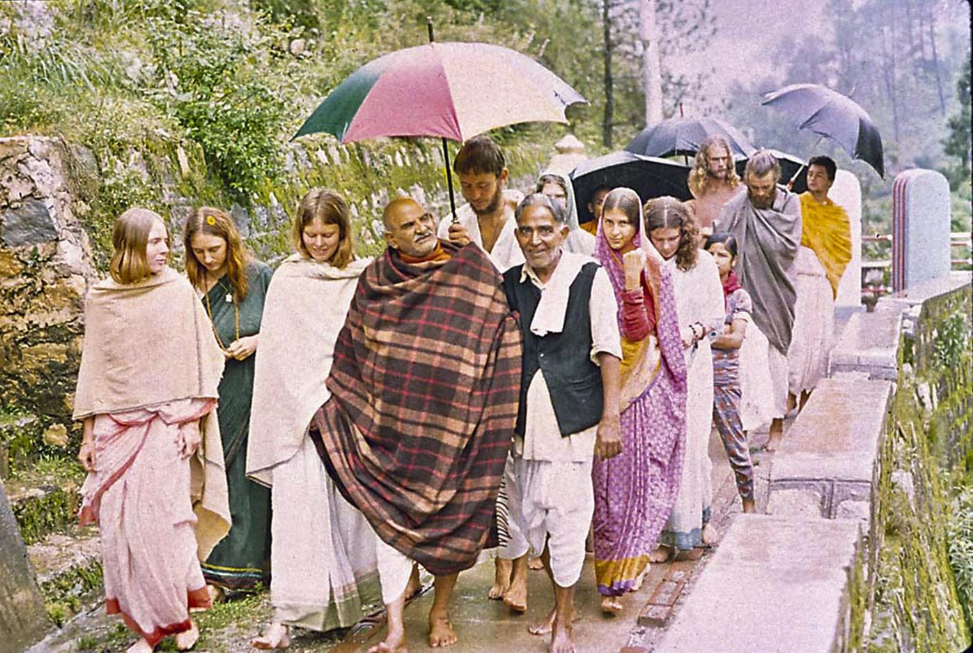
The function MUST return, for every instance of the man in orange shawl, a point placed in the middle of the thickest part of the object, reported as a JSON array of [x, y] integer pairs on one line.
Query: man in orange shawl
[[825, 252]]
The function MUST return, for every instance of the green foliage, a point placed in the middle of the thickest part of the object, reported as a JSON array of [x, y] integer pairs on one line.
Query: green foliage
[[959, 136], [952, 342], [215, 75], [960, 537]]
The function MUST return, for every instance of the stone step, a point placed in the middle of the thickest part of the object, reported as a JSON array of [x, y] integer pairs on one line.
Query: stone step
[[68, 568]]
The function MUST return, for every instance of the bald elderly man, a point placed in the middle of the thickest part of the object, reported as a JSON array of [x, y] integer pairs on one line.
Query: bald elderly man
[[424, 395]]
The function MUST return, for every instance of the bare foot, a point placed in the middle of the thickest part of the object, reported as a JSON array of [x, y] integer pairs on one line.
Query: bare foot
[[749, 506], [776, 434], [562, 639], [393, 643], [516, 596], [502, 570], [661, 554], [688, 554], [415, 584], [216, 594], [611, 605], [276, 636], [543, 627], [640, 579], [709, 536], [141, 646], [441, 631], [535, 564], [188, 638]]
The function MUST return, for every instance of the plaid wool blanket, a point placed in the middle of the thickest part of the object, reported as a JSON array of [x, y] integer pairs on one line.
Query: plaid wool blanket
[[425, 386]]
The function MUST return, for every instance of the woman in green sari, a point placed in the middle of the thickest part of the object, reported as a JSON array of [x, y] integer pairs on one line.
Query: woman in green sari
[[233, 286]]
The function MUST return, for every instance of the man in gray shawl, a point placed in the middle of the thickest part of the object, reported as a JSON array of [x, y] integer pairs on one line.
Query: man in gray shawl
[[766, 222]]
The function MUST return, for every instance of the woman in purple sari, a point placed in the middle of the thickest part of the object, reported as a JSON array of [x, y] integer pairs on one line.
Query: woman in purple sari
[[635, 491]]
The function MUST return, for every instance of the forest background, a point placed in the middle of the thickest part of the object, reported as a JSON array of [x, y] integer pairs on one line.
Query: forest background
[[217, 87]]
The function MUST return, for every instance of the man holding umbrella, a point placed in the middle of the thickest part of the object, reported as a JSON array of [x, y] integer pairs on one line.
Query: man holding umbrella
[[424, 399], [488, 219], [766, 222]]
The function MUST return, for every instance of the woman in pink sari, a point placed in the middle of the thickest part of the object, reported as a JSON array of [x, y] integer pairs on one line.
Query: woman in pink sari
[[147, 390], [635, 491]]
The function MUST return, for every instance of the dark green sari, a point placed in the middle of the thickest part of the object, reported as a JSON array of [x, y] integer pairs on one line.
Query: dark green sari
[[240, 560]]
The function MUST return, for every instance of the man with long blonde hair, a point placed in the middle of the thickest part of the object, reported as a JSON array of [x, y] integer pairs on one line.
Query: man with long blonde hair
[[712, 181]]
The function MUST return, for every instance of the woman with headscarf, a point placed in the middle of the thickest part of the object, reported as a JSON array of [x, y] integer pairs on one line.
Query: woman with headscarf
[[147, 390], [699, 305], [323, 559], [635, 491], [232, 287], [559, 188]]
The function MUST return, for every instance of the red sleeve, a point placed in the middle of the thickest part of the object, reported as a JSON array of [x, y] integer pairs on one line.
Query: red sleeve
[[635, 318]]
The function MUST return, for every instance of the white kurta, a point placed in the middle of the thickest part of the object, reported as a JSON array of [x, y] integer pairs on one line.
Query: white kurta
[[699, 298], [506, 251]]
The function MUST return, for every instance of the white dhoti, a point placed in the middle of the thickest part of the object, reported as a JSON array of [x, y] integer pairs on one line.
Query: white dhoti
[[557, 502], [323, 558], [777, 366], [394, 569], [813, 335]]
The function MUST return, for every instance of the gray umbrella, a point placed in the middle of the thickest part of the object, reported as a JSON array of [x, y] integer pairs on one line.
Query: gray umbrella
[[683, 136], [833, 115]]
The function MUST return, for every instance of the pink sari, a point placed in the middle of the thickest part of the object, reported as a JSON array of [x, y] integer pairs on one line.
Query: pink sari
[[140, 496]]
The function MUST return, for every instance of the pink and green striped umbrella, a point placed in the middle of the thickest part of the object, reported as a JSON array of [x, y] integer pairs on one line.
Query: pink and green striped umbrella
[[450, 90]]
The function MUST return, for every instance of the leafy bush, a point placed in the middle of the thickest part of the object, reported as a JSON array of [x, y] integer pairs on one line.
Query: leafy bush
[[960, 537], [215, 76]]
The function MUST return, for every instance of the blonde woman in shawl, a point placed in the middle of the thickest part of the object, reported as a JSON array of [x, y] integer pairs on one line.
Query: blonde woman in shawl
[[323, 550], [825, 252], [699, 305], [233, 286], [635, 491], [147, 390]]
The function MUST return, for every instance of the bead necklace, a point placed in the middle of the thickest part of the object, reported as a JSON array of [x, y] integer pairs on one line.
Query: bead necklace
[[230, 297]]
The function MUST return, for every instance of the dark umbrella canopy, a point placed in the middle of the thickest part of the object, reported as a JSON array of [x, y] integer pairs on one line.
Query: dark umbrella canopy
[[789, 164], [834, 116], [683, 136], [648, 176]]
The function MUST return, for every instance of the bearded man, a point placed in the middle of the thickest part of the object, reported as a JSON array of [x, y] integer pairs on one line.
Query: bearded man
[[766, 222], [488, 217], [712, 181], [424, 397]]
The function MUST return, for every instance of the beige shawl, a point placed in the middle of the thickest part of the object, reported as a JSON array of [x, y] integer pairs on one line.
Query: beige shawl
[[147, 344], [306, 306]]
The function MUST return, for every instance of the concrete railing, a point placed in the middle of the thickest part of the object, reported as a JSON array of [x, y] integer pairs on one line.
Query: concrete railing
[[803, 576]]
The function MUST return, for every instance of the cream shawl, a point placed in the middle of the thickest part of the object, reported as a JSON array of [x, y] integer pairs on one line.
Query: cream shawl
[[305, 309], [148, 344]]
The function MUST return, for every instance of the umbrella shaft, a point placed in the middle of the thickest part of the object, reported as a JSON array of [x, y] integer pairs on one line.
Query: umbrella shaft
[[449, 182]]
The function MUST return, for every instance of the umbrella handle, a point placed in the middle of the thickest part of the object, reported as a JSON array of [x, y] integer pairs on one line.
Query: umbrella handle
[[814, 147], [449, 182]]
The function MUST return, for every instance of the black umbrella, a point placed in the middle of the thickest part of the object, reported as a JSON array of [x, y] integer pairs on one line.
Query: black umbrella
[[831, 114], [790, 165], [683, 136], [648, 176]]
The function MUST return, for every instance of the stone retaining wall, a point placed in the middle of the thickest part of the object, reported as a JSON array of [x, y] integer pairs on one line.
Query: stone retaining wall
[[853, 554]]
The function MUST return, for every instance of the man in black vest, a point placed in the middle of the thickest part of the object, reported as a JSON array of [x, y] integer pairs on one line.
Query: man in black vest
[[569, 405]]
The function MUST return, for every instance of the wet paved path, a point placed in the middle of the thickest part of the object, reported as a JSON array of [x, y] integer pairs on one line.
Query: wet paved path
[[485, 626]]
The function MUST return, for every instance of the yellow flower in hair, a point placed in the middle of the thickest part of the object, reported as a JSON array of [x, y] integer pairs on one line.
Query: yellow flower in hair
[[210, 220]]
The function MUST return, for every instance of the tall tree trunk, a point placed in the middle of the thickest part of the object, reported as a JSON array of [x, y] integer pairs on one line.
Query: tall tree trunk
[[935, 65], [652, 62], [889, 70], [609, 119]]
